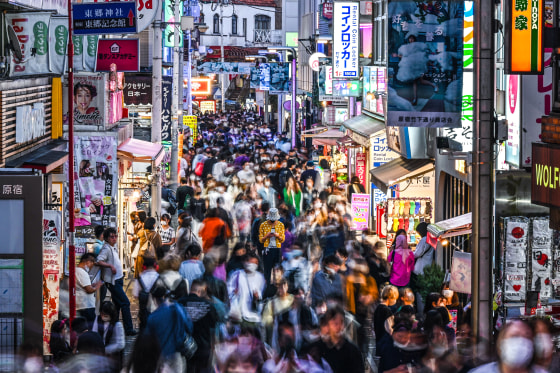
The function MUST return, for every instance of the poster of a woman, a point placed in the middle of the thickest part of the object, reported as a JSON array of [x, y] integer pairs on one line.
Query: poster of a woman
[[88, 101]]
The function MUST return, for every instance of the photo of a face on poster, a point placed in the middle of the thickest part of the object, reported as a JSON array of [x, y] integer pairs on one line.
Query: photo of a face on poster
[[89, 93], [425, 67]]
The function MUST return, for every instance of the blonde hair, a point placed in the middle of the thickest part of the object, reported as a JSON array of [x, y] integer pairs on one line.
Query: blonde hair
[[390, 292], [170, 262]]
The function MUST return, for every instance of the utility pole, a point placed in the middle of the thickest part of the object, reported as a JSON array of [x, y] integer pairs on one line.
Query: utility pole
[[483, 188], [177, 105], [222, 76], [156, 109], [189, 74]]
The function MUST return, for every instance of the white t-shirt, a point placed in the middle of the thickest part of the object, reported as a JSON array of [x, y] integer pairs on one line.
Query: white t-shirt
[[83, 299]]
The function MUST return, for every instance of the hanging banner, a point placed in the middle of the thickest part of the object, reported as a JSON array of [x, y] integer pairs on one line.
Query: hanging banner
[[461, 273], [90, 98], [96, 184], [138, 90], [360, 211], [524, 34], [166, 98], [513, 116], [346, 41], [208, 68], [171, 28], [426, 58], [264, 76], [361, 162], [280, 81], [90, 52], [58, 42], [32, 33], [52, 229]]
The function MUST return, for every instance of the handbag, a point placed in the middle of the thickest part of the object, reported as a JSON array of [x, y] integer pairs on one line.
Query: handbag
[[199, 168], [188, 347]]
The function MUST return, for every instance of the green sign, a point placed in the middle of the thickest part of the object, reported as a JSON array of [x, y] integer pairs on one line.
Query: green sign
[[172, 28]]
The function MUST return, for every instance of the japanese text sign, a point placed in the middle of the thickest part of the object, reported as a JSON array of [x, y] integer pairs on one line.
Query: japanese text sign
[[524, 53], [346, 21], [166, 96], [327, 10], [122, 52], [138, 90], [200, 86], [426, 49], [191, 122], [104, 18], [361, 160], [348, 88], [360, 211], [207, 105]]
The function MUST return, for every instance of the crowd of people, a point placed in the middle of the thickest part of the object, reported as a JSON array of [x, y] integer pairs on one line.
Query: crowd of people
[[264, 274]]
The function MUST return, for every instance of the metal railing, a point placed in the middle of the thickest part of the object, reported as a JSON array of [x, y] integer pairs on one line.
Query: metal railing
[[267, 37]]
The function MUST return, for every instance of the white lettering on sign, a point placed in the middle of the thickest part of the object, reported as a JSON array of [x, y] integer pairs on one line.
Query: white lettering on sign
[[30, 122]]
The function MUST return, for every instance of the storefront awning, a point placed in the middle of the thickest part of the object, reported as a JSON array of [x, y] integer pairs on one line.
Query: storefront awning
[[141, 151], [46, 158], [456, 226], [399, 170], [363, 127], [327, 137]]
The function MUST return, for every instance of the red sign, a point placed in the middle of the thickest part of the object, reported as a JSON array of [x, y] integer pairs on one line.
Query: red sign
[[122, 52], [200, 86], [328, 10], [361, 167]]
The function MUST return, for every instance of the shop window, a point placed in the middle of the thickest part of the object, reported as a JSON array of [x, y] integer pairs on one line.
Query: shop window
[[234, 25], [262, 22]]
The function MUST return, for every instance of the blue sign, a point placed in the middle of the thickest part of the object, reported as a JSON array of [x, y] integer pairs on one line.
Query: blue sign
[[104, 18]]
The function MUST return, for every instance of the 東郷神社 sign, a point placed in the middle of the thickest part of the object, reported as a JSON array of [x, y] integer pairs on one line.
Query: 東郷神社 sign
[[104, 18]]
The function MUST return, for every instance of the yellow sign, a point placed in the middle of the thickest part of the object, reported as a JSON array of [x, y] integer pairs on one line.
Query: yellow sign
[[191, 122], [526, 44], [180, 146]]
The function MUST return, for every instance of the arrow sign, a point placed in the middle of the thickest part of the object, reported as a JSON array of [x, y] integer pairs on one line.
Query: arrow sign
[[130, 18], [104, 18]]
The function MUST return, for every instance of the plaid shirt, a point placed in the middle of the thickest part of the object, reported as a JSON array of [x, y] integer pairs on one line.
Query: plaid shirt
[[166, 235]]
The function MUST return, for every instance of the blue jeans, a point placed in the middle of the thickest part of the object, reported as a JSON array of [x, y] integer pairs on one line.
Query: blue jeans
[[121, 303]]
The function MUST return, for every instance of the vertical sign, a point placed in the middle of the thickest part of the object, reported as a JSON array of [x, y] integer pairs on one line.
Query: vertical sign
[[426, 45], [166, 93], [172, 28], [346, 32], [360, 211], [264, 76], [524, 53], [361, 160], [513, 116], [51, 272]]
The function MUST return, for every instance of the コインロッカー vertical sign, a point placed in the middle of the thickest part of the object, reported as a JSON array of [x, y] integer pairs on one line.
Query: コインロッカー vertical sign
[[104, 18], [524, 52]]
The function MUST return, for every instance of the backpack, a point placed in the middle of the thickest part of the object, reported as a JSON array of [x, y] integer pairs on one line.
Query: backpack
[[187, 203], [144, 294], [147, 250]]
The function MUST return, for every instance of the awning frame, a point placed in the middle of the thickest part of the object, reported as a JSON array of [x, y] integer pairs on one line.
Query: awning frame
[[457, 226], [139, 157], [412, 167]]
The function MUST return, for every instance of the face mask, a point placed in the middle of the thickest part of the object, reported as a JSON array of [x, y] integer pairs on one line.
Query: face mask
[[106, 318], [516, 352], [259, 178], [247, 168], [267, 183], [163, 222], [330, 270], [447, 293], [317, 205], [439, 350], [87, 269], [543, 345], [251, 267]]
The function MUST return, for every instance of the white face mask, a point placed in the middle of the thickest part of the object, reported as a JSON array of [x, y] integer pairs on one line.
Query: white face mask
[[267, 183], [447, 293], [251, 267], [330, 270], [192, 177], [259, 178], [516, 352], [543, 345], [317, 205]]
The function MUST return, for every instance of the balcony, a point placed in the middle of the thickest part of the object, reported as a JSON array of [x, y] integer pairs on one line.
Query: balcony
[[267, 37]]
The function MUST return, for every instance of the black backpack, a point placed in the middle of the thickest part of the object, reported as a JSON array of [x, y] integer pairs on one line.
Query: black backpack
[[144, 294]]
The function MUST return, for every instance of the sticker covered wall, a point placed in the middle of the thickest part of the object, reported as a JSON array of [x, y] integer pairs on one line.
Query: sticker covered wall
[[425, 64]]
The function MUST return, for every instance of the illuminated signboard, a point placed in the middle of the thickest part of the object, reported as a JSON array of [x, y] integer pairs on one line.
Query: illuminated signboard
[[200, 86], [524, 52], [346, 88]]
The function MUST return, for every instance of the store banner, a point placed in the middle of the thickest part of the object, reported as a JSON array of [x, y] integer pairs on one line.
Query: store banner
[[513, 117], [138, 90], [96, 184], [360, 206], [32, 32], [461, 273], [346, 88], [207, 106], [426, 57], [208, 68], [346, 40], [264, 77], [122, 52], [524, 36], [52, 229], [58, 43], [171, 28], [361, 165], [166, 99], [90, 100]]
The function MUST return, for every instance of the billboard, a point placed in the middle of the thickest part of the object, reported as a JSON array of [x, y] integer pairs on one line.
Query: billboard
[[513, 116], [346, 88], [360, 206], [346, 40], [122, 52], [272, 77], [425, 65], [90, 100], [524, 34], [208, 68], [138, 89], [545, 175]]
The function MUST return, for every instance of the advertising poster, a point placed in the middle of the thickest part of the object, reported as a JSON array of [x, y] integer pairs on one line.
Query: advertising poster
[[51, 271], [461, 273], [425, 67], [280, 81], [264, 76], [170, 28], [32, 31], [513, 116], [166, 98], [208, 68], [138, 90], [346, 40], [360, 211], [90, 107], [96, 183]]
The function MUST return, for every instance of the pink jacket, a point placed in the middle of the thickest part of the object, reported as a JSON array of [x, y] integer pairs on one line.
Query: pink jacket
[[402, 269]]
